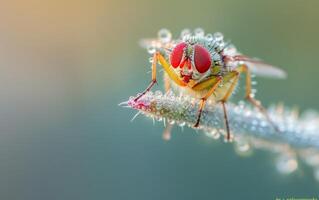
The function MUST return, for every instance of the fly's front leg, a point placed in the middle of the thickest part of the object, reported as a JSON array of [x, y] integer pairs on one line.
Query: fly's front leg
[[153, 81], [170, 74], [158, 57], [214, 83], [251, 99]]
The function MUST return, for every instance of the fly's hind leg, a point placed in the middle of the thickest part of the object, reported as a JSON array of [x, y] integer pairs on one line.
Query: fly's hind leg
[[233, 77], [251, 99]]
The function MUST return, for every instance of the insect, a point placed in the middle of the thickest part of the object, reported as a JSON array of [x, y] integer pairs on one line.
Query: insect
[[205, 67]]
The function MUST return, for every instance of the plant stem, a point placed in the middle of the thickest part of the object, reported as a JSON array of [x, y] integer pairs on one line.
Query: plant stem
[[297, 135]]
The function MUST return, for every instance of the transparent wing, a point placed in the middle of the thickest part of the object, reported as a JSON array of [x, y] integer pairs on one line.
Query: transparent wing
[[260, 68]]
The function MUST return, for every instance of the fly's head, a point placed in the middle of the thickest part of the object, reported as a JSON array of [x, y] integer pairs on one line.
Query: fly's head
[[191, 60]]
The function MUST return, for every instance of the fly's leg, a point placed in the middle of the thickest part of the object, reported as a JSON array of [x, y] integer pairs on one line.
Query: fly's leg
[[235, 76], [214, 81], [167, 84], [157, 57], [251, 99], [153, 81], [170, 74], [226, 120], [169, 71]]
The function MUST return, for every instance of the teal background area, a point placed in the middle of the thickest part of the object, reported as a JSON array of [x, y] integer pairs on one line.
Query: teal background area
[[65, 66]]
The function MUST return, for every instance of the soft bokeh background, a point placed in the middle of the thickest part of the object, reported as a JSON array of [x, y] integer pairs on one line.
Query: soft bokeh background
[[65, 65]]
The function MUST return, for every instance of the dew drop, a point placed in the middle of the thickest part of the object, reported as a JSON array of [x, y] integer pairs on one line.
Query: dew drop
[[158, 93], [151, 50], [231, 138], [263, 123], [241, 104], [218, 36], [213, 134], [254, 91], [170, 121], [158, 118], [199, 32], [286, 164], [182, 124], [164, 35], [185, 32], [131, 98], [209, 37], [158, 107], [242, 146], [247, 113]]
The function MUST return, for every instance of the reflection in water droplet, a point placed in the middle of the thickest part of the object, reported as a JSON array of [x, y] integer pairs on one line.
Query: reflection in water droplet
[[164, 35], [166, 135], [286, 164]]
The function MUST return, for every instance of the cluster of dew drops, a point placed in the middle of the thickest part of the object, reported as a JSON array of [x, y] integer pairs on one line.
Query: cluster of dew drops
[[165, 36]]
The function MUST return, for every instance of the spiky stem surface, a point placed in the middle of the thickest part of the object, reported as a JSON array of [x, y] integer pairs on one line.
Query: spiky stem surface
[[298, 135]]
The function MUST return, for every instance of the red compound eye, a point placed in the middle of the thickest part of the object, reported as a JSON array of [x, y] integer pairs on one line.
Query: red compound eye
[[202, 59], [177, 54]]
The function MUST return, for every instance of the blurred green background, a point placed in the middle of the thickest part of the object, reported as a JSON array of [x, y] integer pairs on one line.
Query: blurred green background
[[65, 65]]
